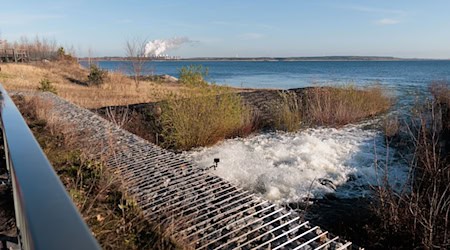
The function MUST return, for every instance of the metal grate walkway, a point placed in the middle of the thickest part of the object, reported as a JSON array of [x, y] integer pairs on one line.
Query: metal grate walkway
[[201, 208]]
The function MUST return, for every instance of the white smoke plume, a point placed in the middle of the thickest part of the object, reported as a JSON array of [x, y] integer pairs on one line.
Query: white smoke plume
[[159, 46]]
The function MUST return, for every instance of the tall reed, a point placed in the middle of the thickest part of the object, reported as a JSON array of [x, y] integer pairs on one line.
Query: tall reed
[[342, 105]]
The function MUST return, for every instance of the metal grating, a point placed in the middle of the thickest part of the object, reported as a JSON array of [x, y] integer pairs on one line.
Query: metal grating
[[205, 210]]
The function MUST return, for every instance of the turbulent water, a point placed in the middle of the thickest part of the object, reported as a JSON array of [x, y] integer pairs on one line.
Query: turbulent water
[[287, 167]]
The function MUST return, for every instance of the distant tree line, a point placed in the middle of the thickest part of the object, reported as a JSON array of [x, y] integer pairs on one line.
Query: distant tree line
[[39, 49]]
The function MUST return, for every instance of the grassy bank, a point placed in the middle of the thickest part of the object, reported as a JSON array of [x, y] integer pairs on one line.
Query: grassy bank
[[71, 83], [113, 217]]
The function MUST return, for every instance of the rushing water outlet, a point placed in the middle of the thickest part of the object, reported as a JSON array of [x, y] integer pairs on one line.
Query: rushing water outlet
[[289, 167]]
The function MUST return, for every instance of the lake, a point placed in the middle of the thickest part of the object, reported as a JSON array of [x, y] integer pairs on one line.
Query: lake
[[285, 74]]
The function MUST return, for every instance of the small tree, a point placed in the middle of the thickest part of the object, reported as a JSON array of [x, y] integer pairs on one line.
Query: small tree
[[46, 86], [135, 51], [96, 75], [61, 53]]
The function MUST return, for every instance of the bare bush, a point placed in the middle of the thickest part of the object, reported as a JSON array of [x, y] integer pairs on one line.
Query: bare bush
[[420, 216], [135, 51], [38, 49]]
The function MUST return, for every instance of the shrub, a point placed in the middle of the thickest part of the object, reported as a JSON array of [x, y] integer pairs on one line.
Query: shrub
[[204, 115], [345, 104], [63, 56], [46, 86], [96, 75], [287, 113], [201, 120], [193, 75], [61, 53]]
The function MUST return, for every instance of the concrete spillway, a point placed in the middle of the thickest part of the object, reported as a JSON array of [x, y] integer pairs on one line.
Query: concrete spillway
[[200, 208]]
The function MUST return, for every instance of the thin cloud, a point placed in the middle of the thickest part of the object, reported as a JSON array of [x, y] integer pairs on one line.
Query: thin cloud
[[387, 21]]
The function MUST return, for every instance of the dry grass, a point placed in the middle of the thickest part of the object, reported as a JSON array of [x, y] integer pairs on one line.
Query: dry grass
[[138, 123], [342, 105], [287, 114], [391, 126], [203, 115], [70, 81], [212, 114], [419, 217], [113, 217]]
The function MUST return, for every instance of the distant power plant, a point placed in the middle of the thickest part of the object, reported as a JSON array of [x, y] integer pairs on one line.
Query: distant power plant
[[156, 48], [163, 57]]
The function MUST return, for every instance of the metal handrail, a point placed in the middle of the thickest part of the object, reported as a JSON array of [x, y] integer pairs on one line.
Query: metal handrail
[[46, 218]]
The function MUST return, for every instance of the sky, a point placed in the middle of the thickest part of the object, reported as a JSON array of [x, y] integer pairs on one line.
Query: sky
[[243, 28]]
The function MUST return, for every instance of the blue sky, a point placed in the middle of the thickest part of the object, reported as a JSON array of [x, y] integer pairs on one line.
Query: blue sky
[[403, 28]]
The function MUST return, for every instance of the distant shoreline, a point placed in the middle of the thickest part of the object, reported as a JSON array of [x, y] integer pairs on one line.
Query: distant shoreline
[[269, 59]]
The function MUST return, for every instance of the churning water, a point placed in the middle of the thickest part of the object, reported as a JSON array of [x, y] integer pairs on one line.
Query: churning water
[[288, 167]]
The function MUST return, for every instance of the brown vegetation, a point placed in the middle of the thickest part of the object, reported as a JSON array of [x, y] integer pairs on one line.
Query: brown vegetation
[[287, 114], [203, 120], [419, 216], [38, 48], [135, 51], [70, 79], [337, 106], [210, 113], [113, 217]]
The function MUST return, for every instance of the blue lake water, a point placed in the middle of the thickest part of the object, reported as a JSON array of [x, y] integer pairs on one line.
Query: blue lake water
[[305, 73]]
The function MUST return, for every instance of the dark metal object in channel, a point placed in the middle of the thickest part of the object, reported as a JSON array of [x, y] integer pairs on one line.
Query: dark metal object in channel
[[46, 218]]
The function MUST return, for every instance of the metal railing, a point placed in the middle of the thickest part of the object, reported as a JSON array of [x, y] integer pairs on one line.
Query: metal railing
[[46, 218]]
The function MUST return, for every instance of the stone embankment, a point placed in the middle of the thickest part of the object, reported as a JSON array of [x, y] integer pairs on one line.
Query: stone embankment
[[197, 206]]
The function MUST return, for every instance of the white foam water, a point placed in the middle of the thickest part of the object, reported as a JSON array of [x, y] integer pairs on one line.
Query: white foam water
[[289, 167]]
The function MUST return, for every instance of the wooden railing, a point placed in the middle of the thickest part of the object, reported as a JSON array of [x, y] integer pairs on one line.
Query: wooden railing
[[13, 55]]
